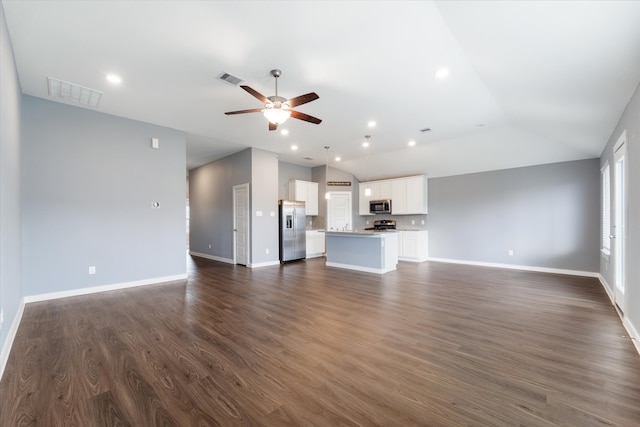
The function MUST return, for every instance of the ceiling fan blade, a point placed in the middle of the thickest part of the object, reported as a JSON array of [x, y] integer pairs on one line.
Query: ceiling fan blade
[[273, 126], [303, 99], [255, 93], [253, 110], [307, 118]]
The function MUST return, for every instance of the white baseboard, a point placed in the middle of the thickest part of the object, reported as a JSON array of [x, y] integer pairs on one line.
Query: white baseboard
[[263, 264], [211, 257], [633, 333], [608, 289], [358, 268], [630, 327], [518, 267], [11, 335], [105, 288]]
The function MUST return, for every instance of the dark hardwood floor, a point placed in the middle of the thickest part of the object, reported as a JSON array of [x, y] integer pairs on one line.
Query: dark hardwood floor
[[431, 344]]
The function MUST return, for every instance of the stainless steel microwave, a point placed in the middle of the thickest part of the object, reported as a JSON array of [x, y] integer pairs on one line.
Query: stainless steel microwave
[[380, 206]]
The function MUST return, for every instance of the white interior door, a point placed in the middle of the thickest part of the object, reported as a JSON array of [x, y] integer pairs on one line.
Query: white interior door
[[339, 213], [241, 224], [619, 231]]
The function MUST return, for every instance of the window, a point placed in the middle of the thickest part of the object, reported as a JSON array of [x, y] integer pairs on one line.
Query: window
[[605, 180]]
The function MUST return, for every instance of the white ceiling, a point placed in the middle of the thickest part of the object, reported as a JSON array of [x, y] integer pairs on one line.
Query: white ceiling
[[547, 79]]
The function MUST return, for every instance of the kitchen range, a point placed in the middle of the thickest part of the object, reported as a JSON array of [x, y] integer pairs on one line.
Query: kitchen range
[[383, 225]]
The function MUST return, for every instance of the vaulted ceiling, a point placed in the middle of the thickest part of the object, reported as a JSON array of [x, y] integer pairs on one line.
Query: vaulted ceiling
[[529, 82]]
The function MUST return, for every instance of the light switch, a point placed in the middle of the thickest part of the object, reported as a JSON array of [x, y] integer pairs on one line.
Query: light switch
[[155, 143]]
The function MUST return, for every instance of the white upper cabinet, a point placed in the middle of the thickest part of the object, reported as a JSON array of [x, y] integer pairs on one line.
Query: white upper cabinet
[[307, 192], [416, 195], [408, 195], [364, 200]]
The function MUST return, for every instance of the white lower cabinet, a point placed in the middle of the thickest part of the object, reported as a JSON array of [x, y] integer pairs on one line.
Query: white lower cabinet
[[315, 243], [413, 245]]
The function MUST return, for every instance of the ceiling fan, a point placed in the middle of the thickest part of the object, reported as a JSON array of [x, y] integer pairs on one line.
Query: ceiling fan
[[278, 109]]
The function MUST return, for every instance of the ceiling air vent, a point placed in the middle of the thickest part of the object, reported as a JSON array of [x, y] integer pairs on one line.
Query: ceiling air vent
[[228, 78], [73, 92]]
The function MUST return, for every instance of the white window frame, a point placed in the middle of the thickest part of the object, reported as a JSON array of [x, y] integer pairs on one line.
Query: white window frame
[[605, 210]]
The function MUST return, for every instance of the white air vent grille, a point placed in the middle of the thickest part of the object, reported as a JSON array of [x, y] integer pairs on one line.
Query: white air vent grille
[[228, 78], [73, 92]]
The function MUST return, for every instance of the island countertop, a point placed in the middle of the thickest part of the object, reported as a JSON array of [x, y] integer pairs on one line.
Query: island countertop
[[361, 232]]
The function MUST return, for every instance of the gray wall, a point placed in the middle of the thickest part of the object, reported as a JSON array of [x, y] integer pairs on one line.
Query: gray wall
[[11, 290], [89, 180], [631, 122], [289, 171], [211, 204], [548, 215], [319, 175], [264, 198]]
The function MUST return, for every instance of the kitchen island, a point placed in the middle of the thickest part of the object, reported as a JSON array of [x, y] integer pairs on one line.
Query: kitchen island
[[370, 251]]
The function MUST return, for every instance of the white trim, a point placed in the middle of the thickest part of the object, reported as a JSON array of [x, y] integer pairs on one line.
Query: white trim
[[263, 264], [11, 335], [105, 288], [212, 257], [631, 329], [606, 287], [519, 267], [633, 333], [622, 139], [359, 268]]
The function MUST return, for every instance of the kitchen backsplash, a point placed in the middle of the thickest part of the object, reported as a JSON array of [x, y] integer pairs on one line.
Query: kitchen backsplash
[[403, 222]]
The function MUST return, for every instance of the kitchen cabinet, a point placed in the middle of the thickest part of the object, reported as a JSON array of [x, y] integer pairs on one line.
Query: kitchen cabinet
[[315, 243], [305, 191], [408, 195], [364, 200], [413, 245]]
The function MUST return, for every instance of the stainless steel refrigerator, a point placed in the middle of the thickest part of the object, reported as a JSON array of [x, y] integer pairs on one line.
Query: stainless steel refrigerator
[[293, 235]]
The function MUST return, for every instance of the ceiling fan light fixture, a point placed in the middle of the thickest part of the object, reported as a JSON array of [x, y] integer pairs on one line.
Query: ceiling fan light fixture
[[277, 114]]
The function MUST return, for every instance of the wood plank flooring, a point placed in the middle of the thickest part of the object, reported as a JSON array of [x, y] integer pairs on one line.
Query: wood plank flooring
[[431, 344]]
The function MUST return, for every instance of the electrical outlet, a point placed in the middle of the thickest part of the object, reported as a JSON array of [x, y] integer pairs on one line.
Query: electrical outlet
[[92, 269], [413, 222], [209, 245], [267, 251], [510, 252], [423, 222]]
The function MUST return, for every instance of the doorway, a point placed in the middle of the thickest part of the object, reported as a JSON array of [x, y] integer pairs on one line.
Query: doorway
[[619, 231], [241, 224], [339, 211]]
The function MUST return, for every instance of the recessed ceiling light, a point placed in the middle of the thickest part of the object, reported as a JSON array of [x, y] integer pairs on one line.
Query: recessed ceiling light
[[294, 147], [365, 144], [114, 78], [284, 132], [338, 159], [442, 73], [412, 143], [371, 124]]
